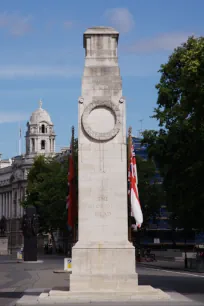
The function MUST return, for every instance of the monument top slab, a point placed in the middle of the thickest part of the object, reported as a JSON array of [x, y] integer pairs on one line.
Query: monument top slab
[[101, 30]]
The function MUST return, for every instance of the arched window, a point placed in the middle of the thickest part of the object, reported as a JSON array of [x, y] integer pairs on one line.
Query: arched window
[[42, 144], [43, 128]]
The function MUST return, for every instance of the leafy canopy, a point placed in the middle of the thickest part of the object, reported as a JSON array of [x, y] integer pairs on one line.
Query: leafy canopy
[[178, 146], [150, 192], [47, 191]]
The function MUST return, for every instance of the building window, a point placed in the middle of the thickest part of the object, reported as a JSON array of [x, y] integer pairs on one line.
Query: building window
[[43, 129], [33, 145], [42, 144]]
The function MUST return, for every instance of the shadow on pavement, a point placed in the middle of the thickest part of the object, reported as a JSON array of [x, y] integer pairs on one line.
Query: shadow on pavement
[[176, 269], [178, 283]]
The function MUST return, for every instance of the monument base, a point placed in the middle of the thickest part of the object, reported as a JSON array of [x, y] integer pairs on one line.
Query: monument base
[[103, 267], [59, 297], [104, 282]]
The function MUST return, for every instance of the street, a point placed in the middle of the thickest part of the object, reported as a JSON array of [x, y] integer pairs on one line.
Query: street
[[17, 279], [185, 283]]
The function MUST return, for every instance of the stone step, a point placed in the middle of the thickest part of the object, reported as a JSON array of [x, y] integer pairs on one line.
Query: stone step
[[60, 297]]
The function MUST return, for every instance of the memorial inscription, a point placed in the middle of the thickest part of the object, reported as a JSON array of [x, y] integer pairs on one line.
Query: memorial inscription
[[103, 207], [102, 214], [102, 198]]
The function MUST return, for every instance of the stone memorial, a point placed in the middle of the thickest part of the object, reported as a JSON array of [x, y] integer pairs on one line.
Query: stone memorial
[[103, 260]]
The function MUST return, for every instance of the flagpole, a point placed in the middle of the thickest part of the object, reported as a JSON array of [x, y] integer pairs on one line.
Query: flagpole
[[19, 141], [129, 144], [73, 216]]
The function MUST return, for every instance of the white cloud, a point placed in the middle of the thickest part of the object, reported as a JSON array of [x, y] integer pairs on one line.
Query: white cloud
[[14, 72], [15, 24], [163, 42], [121, 19], [6, 117]]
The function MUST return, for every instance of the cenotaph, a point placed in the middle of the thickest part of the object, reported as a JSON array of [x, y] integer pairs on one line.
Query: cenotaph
[[103, 260]]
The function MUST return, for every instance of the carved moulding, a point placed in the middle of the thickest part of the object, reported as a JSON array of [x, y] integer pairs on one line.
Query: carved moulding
[[96, 135]]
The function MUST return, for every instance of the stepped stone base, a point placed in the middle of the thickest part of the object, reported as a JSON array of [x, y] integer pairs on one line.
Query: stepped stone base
[[60, 297], [105, 283]]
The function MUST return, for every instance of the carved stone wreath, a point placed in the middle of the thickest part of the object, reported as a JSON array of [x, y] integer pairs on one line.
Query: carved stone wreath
[[107, 135]]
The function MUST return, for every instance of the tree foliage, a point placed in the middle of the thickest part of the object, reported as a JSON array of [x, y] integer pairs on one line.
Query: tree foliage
[[178, 146], [150, 192], [47, 191]]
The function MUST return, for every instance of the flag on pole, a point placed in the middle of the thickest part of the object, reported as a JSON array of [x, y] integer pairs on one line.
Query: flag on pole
[[71, 198], [133, 193]]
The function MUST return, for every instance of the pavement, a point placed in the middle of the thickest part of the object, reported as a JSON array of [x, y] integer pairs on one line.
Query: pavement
[[170, 265], [18, 279]]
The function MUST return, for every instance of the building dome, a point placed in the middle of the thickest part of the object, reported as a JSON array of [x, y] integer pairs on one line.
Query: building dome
[[40, 115]]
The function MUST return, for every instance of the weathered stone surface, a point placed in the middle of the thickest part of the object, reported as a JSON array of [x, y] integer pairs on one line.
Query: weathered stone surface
[[141, 294], [103, 259]]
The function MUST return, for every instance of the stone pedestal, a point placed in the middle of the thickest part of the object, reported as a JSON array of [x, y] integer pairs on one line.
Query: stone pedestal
[[108, 268], [144, 294], [3, 246]]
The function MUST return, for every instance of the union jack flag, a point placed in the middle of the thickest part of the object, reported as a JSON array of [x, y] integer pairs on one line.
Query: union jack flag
[[136, 211]]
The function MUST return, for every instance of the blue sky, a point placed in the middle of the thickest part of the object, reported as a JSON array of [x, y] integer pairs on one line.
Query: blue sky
[[42, 56]]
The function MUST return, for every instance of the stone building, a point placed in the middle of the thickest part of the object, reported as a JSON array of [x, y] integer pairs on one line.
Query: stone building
[[40, 139]]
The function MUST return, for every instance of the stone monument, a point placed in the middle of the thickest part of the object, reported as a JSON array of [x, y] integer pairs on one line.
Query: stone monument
[[103, 260]]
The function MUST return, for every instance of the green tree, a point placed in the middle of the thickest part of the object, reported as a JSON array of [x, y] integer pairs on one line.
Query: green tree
[[178, 146], [47, 190], [150, 192]]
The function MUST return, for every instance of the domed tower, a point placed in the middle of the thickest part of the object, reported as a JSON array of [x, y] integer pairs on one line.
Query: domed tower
[[40, 135]]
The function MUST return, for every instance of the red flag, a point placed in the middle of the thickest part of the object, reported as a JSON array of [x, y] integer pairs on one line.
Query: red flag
[[71, 199]]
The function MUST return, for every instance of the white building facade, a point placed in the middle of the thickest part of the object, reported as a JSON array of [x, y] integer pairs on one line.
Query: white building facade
[[40, 139]]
